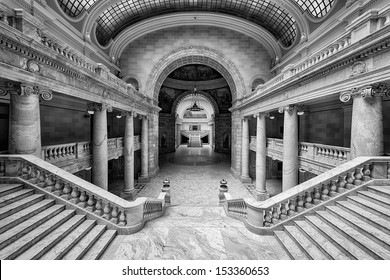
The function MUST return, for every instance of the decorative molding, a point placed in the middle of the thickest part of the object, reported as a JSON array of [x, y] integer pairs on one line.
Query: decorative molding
[[26, 89], [260, 115], [33, 66], [358, 68], [374, 90], [10, 88]]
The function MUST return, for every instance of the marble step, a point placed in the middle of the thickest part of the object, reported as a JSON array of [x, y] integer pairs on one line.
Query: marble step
[[346, 246], [100, 245], [372, 219], [381, 190], [15, 196], [365, 243], [78, 251], [21, 216], [27, 240], [63, 247], [375, 198], [9, 188], [12, 208], [370, 206], [19, 230], [322, 243], [293, 250], [311, 251], [56, 236]]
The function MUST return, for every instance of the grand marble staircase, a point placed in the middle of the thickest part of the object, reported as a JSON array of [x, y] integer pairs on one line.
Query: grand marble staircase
[[33, 226], [355, 228], [195, 141]]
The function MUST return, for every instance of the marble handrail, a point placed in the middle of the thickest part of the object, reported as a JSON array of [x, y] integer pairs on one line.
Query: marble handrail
[[314, 192], [129, 216]]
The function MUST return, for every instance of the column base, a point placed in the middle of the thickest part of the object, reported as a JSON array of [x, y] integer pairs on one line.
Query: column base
[[143, 179], [129, 195], [246, 180], [234, 173], [261, 196]]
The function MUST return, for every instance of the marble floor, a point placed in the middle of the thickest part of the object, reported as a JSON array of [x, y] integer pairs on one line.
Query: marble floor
[[195, 227]]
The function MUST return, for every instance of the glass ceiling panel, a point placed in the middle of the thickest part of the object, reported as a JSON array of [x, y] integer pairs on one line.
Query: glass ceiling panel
[[265, 13], [317, 8], [73, 8]]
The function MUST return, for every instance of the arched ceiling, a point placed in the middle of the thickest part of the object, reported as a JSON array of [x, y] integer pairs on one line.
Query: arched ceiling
[[276, 16]]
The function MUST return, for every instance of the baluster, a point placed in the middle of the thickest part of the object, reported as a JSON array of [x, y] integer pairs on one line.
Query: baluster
[[2, 167], [341, 184], [333, 188], [358, 177], [275, 216], [91, 203], [268, 218], [292, 207], [82, 199], [114, 215], [24, 171], [317, 195], [58, 187], [98, 208], [283, 211], [122, 219], [49, 183], [308, 200], [74, 195], [41, 180], [66, 191], [300, 204], [366, 172], [106, 211], [325, 192], [349, 180]]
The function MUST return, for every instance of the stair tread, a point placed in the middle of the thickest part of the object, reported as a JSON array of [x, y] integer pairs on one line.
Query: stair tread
[[367, 214], [320, 240], [25, 213], [305, 244], [14, 207], [383, 189], [375, 196], [14, 195], [37, 219], [292, 248], [85, 243], [8, 187], [36, 234], [100, 245], [362, 239], [339, 239], [61, 248], [372, 205], [46, 243]]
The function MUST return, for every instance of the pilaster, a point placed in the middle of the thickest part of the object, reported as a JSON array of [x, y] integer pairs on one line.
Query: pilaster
[[144, 151]]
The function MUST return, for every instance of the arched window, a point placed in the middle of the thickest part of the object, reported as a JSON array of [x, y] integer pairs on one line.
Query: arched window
[[257, 82], [133, 82]]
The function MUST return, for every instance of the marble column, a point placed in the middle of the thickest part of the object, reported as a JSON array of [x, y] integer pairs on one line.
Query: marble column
[[290, 147], [144, 151], [211, 135], [129, 191], [261, 156], [99, 148], [367, 120], [245, 152], [24, 121]]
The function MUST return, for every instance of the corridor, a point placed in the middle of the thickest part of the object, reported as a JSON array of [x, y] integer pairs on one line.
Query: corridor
[[194, 227]]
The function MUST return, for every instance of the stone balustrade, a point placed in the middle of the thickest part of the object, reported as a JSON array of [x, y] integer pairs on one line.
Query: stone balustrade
[[125, 216], [310, 195]]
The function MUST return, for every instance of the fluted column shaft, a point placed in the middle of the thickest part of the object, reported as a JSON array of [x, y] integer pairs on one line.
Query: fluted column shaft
[[99, 149], [367, 127], [261, 154], [129, 191], [290, 148], [25, 125], [245, 152], [144, 148]]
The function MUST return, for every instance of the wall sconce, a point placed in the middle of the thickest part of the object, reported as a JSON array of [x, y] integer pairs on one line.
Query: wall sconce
[[300, 111], [90, 111], [271, 117], [118, 116]]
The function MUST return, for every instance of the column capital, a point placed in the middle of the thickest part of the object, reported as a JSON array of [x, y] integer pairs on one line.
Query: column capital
[[291, 108], [99, 107], [368, 91], [260, 115], [25, 90]]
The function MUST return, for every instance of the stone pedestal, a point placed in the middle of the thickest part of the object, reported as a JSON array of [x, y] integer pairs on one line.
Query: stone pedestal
[[99, 149], [367, 127], [24, 124], [144, 152], [261, 156], [129, 191], [290, 148], [245, 152]]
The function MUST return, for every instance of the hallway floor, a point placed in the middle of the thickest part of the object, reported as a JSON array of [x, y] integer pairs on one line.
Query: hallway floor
[[195, 227]]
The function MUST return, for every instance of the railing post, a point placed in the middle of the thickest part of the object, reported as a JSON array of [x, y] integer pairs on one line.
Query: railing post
[[167, 189], [255, 216], [223, 188]]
